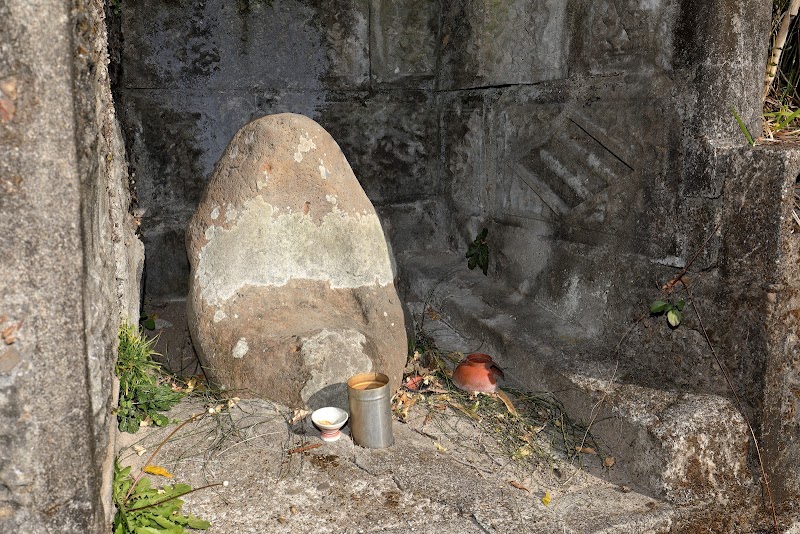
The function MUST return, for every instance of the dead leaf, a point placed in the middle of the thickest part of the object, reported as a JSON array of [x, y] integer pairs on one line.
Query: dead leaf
[[9, 333], [414, 382], [156, 470], [433, 314], [585, 450], [190, 385], [9, 87], [439, 447], [624, 489], [427, 419], [298, 414], [293, 509], [518, 485], [547, 498], [507, 401], [461, 409], [609, 462], [139, 450], [7, 110], [523, 452]]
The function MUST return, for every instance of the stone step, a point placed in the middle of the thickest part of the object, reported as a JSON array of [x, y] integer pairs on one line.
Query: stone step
[[688, 449]]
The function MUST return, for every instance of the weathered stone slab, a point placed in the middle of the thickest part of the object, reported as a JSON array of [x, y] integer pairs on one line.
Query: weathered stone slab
[[390, 140], [403, 41], [504, 42], [220, 45], [292, 279], [627, 35]]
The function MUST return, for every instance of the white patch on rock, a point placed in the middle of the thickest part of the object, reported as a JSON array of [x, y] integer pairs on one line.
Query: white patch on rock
[[215, 212], [231, 213], [210, 232], [241, 348], [220, 315], [332, 356], [260, 184], [305, 145], [323, 171], [572, 296], [267, 248], [331, 199]]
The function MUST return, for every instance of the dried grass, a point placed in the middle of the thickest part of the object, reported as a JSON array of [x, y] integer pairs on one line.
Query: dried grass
[[532, 431]]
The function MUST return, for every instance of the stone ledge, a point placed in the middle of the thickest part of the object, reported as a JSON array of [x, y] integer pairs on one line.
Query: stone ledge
[[686, 448]]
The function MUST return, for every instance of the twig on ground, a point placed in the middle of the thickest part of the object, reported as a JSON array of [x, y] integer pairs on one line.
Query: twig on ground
[[304, 448]]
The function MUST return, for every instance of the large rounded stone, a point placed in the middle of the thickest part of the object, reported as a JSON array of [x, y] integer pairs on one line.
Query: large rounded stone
[[292, 283]]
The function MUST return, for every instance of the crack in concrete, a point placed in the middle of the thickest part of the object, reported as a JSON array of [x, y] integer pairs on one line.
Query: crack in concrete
[[478, 523]]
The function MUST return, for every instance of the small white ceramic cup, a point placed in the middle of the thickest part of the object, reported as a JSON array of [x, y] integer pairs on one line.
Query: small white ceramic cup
[[329, 420]]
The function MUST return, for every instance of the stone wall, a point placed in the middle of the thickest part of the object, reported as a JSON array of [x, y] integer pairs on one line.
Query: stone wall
[[194, 73], [594, 139], [70, 269]]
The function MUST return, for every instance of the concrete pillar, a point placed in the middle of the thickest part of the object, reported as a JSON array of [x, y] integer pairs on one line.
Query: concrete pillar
[[68, 269]]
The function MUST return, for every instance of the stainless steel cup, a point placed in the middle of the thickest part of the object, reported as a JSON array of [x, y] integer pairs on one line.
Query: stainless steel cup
[[370, 410]]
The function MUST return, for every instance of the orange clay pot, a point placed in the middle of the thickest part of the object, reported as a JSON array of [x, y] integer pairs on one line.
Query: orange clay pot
[[477, 373]]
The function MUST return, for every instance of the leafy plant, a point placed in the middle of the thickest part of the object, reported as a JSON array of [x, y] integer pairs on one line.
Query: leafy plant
[[144, 390], [116, 6], [144, 509], [148, 321], [478, 252], [673, 311]]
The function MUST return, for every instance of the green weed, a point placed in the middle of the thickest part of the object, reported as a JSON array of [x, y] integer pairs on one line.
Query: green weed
[[478, 252], [673, 311], [144, 389], [145, 509]]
